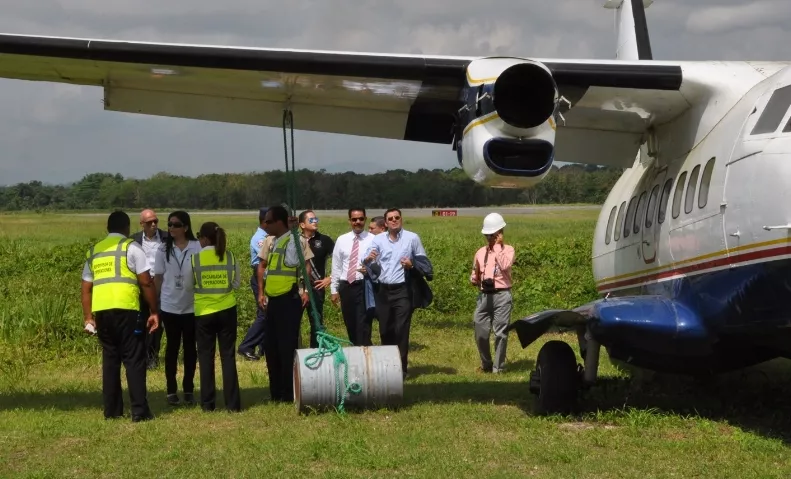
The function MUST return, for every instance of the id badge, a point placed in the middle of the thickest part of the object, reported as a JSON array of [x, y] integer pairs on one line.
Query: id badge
[[179, 282]]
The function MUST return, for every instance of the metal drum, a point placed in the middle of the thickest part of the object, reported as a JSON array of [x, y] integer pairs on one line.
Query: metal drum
[[377, 369]]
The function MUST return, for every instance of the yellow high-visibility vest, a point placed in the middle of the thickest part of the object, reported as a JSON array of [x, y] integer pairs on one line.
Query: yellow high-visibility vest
[[213, 282], [280, 279], [114, 284]]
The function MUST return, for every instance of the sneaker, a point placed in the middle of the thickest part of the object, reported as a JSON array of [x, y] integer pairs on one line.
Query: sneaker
[[173, 399]]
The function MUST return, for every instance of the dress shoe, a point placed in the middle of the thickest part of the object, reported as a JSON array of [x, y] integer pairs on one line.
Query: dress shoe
[[189, 399], [173, 399], [146, 417], [250, 356]]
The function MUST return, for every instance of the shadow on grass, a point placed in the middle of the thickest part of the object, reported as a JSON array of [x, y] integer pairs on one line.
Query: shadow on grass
[[71, 400], [754, 399]]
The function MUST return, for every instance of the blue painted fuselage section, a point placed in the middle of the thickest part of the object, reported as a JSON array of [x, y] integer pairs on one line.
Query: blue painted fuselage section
[[712, 322]]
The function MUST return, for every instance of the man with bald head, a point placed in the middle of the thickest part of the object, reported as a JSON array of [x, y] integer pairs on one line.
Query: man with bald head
[[150, 238]]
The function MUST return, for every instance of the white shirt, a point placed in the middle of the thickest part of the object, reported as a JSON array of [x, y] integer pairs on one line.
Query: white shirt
[[150, 247], [343, 252], [135, 259], [177, 269]]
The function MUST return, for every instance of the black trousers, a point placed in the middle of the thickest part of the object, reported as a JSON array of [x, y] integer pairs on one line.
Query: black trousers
[[284, 315], [254, 339], [210, 330], [153, 340], [115, 330], [358, 321], [394, 310], [319, 297], [178, 327]]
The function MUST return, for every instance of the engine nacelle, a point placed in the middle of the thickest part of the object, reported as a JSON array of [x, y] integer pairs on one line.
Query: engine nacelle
[[505, 136]]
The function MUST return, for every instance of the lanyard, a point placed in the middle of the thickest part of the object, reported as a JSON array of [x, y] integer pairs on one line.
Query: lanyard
[[183, 257]]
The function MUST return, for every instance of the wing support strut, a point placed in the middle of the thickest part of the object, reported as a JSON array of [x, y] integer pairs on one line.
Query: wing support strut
[[329, 345]]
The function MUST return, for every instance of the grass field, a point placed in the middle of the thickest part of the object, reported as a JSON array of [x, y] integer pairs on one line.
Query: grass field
[[454, 422]]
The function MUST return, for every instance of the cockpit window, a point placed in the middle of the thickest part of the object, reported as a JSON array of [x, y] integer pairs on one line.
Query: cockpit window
[[775, 110]]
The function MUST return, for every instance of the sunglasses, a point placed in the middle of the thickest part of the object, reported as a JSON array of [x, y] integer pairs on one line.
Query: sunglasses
[[357, 219], [152, 222], [313, 220], [393, 218], [175, 225]]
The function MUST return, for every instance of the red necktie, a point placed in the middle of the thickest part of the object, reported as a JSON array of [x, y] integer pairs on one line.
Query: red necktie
[[351, 275]]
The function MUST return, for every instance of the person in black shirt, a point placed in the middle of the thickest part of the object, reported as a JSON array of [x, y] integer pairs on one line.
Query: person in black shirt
[[322, 246]]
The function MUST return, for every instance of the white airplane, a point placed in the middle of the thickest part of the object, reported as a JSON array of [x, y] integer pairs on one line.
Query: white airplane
[[692, 245]]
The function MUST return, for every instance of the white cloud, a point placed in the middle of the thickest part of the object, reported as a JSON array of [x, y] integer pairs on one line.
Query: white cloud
[[57, 133]]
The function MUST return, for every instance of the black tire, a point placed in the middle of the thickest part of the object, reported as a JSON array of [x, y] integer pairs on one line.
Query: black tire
[[559, 380]]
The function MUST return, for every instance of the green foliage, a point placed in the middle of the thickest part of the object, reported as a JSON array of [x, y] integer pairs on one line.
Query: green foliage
[[315, 189], [42, 257]]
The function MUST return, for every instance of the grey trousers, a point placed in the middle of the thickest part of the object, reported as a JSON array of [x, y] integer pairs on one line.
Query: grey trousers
[[493, 311]]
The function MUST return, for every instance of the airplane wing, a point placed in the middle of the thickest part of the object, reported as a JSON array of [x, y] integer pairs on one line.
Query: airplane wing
[[407, 97]]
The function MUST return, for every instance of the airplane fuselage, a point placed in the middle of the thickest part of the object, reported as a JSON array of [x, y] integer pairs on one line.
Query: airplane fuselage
[[703, 217]]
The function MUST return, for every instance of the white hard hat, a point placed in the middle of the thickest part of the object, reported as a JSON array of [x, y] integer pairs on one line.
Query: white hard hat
[[492, 224]]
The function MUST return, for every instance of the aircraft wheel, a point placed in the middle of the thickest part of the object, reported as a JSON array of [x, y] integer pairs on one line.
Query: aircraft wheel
[[556, 378]]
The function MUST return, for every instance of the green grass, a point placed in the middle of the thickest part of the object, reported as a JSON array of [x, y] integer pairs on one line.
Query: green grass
[[454, 422]]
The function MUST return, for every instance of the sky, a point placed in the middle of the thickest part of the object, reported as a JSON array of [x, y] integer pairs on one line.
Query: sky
[[57, 133]]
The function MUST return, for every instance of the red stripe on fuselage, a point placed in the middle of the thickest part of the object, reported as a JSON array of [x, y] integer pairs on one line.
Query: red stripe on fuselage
[[700, 267]]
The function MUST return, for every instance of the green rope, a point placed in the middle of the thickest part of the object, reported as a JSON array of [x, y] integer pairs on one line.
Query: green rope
[[329, 345]]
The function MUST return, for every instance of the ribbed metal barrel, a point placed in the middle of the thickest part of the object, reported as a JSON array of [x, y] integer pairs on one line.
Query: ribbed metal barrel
[[377, 369]]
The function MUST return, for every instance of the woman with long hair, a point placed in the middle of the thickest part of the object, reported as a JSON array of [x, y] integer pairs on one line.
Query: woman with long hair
[[174, 280], [216, 275]]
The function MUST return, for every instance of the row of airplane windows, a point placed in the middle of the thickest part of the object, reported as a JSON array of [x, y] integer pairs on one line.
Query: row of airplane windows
[[631, 218]]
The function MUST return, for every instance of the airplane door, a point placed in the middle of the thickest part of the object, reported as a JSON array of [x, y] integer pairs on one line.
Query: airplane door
[[756, 193], [650, 226]]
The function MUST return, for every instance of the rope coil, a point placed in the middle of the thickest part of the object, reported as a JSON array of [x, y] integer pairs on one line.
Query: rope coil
[[329, 345]]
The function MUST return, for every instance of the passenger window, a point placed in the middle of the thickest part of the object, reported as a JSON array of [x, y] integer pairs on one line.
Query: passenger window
[[660, 217], [677, 194], [775, 110], [705, 182], [609, 225], [638, 218], [649, 215], [691, 187], [619, 221], [788, 126], [629, 217]]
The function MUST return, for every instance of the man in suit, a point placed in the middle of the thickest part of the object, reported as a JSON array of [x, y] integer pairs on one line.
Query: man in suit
[[150, 238]]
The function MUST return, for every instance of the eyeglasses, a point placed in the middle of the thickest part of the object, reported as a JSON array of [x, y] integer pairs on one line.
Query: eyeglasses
[[175, 225], [313, 220], [152, 222], [393, 218], [357, 219]]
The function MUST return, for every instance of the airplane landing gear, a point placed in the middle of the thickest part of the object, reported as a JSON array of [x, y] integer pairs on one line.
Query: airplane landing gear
[[558, 380]]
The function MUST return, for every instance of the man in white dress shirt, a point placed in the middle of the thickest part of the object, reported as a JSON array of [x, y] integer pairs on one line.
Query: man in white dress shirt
[[150, 238], [347, 286]]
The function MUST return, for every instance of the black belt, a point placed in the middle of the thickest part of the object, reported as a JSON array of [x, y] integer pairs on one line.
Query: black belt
[[496, 290], [356, 282], [391, 286]]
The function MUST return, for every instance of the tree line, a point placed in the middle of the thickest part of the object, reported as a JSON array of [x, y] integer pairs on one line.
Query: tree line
[[314, 189]]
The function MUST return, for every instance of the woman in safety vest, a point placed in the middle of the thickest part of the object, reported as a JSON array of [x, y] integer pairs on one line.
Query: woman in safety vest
[[216, 274], [173, 277]]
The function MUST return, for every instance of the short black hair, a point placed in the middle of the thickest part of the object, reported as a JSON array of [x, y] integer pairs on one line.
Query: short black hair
[[302, 215], [380, 221], [279, 213], [262, 214], [356, 209], [117, 222], [391, 210]]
